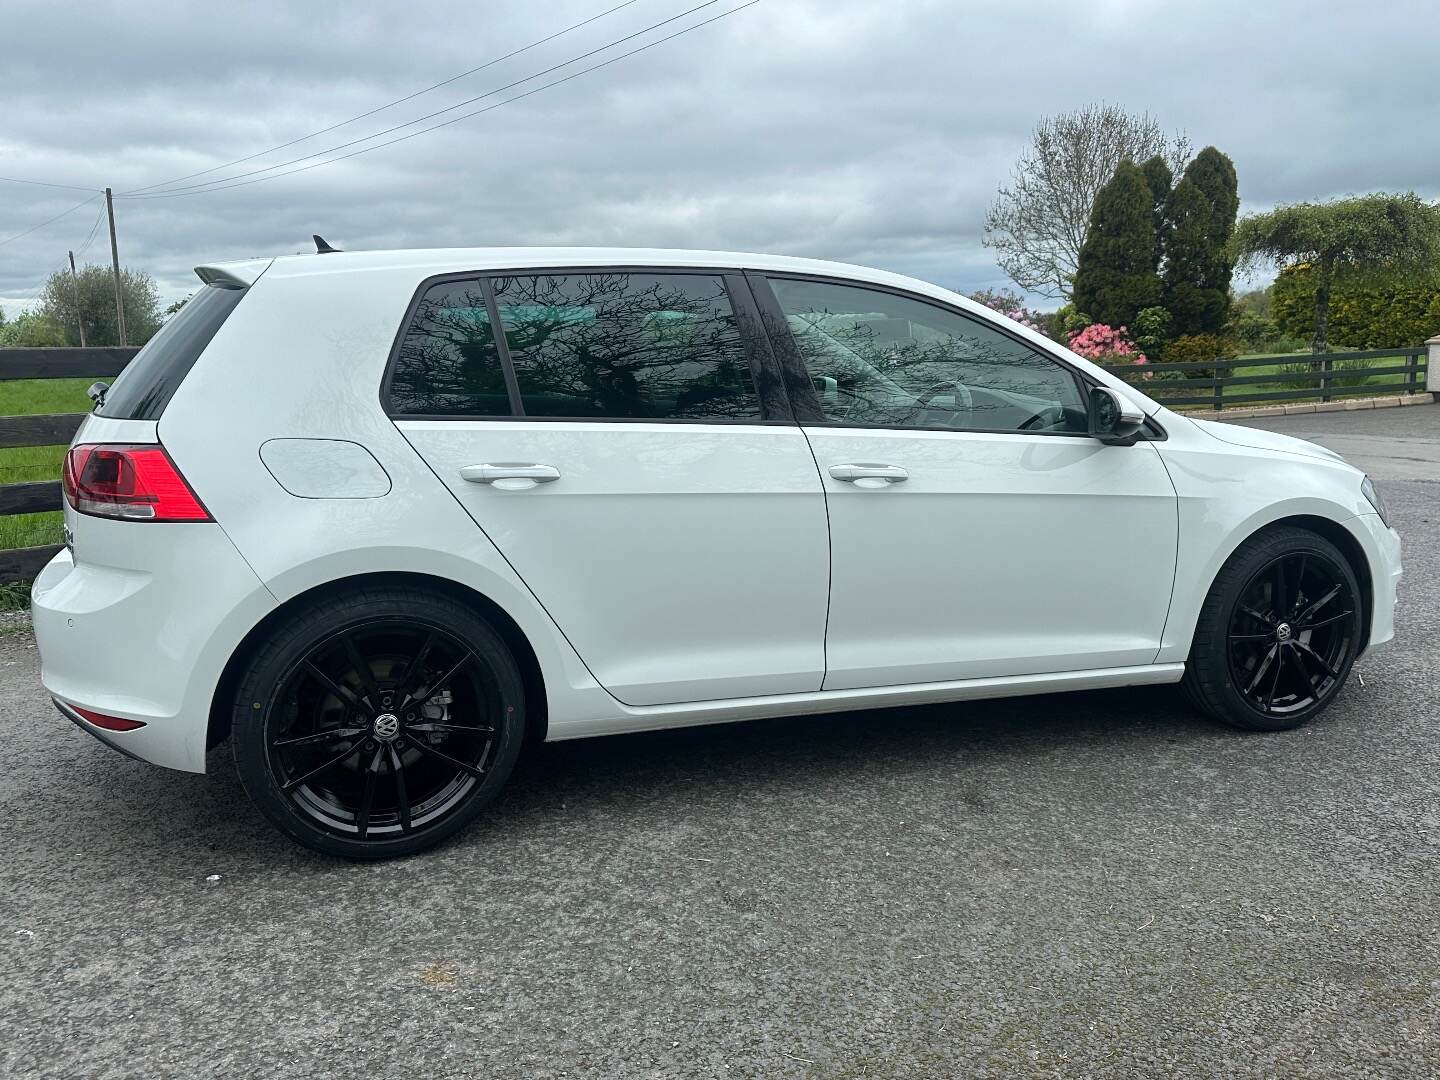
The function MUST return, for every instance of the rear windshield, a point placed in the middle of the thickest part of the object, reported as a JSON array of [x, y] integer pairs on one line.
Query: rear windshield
[[147, 384]]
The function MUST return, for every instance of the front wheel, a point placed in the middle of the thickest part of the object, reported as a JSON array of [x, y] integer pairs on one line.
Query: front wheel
[[1278, 633], [376, 725]]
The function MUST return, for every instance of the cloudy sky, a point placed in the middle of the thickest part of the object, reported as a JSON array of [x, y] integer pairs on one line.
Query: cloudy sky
[[872, 132]]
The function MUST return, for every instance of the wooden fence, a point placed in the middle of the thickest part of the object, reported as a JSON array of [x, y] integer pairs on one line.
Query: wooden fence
[[1306, 377], [44, 429]]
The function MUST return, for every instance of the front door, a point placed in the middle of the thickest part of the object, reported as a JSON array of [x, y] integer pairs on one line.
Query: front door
[[613, 445], [976, 530]]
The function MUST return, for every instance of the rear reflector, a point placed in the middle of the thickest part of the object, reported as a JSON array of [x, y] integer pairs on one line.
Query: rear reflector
[[133, 483], [109, 723]]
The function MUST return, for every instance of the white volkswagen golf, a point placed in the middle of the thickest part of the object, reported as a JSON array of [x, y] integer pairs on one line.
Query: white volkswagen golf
[[378, 518]]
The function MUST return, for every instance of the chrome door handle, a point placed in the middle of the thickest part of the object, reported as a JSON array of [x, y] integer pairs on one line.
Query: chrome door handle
[[871, 476], [510, 476]]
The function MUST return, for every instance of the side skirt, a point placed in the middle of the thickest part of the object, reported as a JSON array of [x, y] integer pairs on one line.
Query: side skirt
[[690, 714]]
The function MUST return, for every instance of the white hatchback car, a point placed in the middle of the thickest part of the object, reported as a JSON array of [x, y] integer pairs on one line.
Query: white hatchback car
[[380, 517]]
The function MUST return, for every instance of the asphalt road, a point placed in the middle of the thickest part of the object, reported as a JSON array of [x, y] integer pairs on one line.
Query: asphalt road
[[1097, 884]]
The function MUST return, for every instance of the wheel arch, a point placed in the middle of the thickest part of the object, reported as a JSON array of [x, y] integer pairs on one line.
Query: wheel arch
[[537, 712]]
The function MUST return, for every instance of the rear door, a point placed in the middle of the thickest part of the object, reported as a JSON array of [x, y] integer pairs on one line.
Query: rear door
[[625, 443]]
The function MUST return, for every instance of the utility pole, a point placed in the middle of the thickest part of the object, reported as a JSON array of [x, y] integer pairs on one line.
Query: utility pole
[[115, 264], [75, 296]]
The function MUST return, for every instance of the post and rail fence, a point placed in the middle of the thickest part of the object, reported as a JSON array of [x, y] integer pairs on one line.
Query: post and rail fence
[[44, 429], [1202, 384], [1186, 385]]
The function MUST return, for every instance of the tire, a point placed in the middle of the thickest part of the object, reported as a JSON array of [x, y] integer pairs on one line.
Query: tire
[[1312, 635], [423, 691]]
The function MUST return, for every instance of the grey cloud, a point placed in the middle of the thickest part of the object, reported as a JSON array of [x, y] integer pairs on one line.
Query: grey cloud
[[846, 129]]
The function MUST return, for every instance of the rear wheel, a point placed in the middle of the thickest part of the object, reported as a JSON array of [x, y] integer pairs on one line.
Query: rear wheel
[[378, 724], [1278, 633]]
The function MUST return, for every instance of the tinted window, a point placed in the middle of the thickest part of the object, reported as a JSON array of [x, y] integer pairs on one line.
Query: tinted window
[[448, 364], [639, 346], [878, 358], [147, 384]]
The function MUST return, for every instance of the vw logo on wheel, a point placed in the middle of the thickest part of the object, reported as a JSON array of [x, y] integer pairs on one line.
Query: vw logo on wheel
[[387, 726], [1283, 631]]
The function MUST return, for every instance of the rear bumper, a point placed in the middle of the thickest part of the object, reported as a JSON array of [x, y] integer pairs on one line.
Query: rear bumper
[[141, 628], [79, 721]]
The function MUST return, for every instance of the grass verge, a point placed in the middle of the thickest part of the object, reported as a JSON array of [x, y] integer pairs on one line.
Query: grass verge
[[21, 397], [15, 596]]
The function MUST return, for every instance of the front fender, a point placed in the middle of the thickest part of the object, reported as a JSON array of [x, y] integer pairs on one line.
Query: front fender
[[1227, 492]]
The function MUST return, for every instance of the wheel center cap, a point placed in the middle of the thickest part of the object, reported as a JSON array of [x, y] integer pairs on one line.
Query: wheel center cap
[[386, 726], [1283, 632]]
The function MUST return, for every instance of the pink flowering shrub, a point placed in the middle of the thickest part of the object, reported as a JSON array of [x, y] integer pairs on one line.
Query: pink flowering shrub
[[1011, 306], [1106, 345]]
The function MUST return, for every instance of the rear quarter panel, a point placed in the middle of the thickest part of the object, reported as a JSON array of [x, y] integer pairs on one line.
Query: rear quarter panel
[[303, 358]]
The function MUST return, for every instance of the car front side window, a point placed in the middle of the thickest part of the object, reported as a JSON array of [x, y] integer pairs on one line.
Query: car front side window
[[876, 358]]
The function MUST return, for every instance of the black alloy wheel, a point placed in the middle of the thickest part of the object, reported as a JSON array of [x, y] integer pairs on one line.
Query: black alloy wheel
[[379, 728], [1292, 634], [1278, 633]]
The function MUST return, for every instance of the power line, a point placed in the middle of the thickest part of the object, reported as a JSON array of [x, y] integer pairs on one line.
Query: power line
[[90, 237], [45, 183], [34, 292], [47, 221], [382, 108], [224, 183]]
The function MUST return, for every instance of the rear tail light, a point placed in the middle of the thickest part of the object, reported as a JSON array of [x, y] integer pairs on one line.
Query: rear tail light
[[134, 483]]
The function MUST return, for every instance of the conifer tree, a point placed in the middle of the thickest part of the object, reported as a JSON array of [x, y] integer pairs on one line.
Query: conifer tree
[[1116, 274]]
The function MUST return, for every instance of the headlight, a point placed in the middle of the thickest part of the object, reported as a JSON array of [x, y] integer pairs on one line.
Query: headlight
[[1367, 488]]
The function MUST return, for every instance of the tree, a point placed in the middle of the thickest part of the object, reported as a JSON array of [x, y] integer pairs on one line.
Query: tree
[[1364, 313], [1012, 306], [95, 287], [1198, 261], [1376, 237], [32, 330], [1039, 221], [1158, 178], [1116, 274]]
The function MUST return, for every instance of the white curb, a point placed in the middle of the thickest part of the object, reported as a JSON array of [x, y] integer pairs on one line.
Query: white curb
[[1316, 406]]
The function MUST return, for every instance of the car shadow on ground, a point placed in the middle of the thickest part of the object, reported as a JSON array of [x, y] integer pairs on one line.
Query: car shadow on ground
[[789, 749], [644, 775]]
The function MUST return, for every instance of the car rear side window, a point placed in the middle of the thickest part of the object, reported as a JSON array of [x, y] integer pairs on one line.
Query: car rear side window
[[147, 384], [447, 363], [623, 345]]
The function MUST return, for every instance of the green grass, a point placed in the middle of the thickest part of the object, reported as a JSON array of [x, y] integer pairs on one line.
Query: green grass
[[1301, 361], [30, 463], [14, 597], [21, 397], [32, 530]]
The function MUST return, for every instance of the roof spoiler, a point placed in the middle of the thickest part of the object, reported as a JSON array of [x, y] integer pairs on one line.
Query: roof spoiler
[[236, 275]]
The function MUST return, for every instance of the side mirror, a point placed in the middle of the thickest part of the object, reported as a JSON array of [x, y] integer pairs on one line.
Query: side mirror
[[1113, 419]]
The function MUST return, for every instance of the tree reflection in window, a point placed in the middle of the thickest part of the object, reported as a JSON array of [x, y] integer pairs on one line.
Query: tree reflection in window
[[448, 364], [637, 346], [878, 358]]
